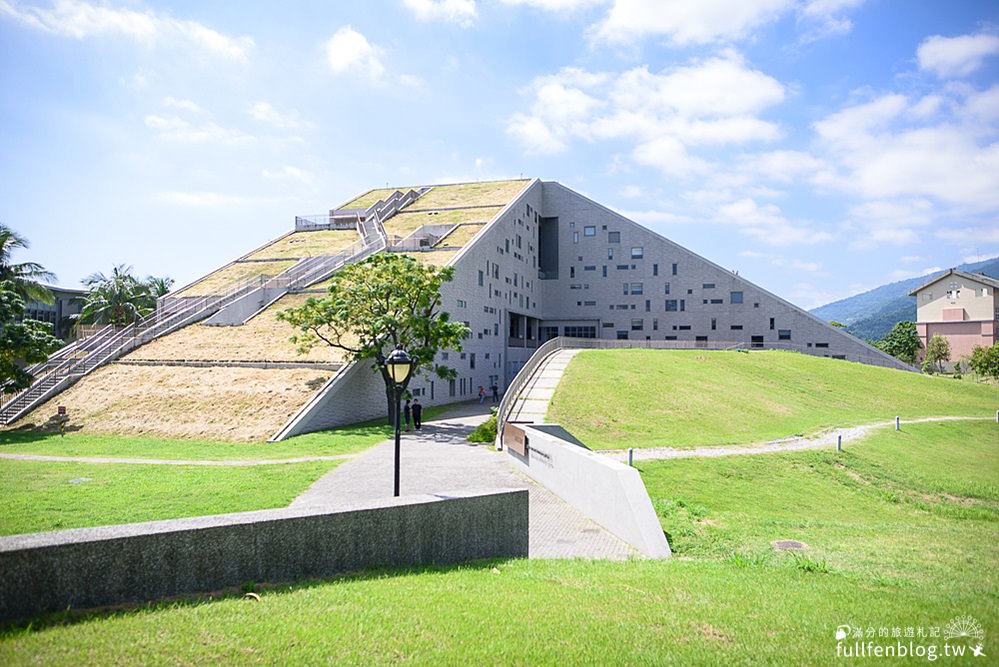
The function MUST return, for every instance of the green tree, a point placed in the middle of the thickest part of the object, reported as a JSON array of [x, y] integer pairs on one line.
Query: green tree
[[21, 342], [120, 298], [374, 306], [938, 351], [902, 342], [985, 361], [25, 276]]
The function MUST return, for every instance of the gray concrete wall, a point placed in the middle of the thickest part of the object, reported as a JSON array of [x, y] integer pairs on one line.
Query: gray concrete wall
[[93, 567], [582, 293], [608, 492], [244, 308]]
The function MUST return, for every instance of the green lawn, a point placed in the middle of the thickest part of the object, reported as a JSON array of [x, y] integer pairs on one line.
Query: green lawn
[[41, 496], [611, 399], [902, 531], [345, 440]]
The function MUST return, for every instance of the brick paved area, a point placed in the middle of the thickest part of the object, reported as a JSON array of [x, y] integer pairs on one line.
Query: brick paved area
[[438, 458]]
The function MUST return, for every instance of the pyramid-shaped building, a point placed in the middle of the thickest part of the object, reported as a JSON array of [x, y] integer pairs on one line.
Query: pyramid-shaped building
[[533, 260]]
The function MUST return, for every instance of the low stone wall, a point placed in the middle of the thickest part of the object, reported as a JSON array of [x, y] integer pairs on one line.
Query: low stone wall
[[607, 491], [93, 567]]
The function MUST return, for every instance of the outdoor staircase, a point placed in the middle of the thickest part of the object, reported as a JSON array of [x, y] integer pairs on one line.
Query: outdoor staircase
[[77, 359]]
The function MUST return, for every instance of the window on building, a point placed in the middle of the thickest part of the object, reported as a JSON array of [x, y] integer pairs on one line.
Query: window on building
[[771, 324], [735, 297], [655, 324], [736, 327], [482, 278], [575, 237], [608, 325], [953, 294], [622, 267], [783, 334], [701, 341], [610, 253], [590, 268], [671, 305], [714, 324], [572, 271], [683, 305], [707, 285], [605, 270], [669, 338], [648, 306], [590, 230], [655, 269], [667, 288], [717, 301], [756, 341], [637, 288], [637, 252], [581, 332], [684, 327], [637, 325], [613, 237], [622, 335], [471, 360], [674, 268], [822, 345]]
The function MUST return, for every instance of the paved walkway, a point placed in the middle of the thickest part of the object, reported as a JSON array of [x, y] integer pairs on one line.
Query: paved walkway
[[821, 441], [532, 404], [438, 458]]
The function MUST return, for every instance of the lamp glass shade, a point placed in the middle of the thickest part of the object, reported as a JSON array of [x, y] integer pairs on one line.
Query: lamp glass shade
[[398, 365]]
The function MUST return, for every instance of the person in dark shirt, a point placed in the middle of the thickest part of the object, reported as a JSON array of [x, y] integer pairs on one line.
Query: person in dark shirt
[[417, 414], [406, 413]]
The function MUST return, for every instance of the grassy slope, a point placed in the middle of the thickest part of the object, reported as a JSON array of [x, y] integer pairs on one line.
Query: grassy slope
[[650, 398], [40, 496]]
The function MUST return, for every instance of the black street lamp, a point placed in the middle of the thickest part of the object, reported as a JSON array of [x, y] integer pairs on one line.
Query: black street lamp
[[398, 365]]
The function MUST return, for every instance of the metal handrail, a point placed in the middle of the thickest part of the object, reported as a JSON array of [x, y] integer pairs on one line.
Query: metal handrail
[[554, 345]]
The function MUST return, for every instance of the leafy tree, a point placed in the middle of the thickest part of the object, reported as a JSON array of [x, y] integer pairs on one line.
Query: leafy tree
[[21, 342], [902, 342], [938, 351], [25, 276], [374, 306], [120, 298], [838, 325], [985, 361]]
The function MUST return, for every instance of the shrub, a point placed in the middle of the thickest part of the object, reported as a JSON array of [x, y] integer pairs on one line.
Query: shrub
[[486, 431]]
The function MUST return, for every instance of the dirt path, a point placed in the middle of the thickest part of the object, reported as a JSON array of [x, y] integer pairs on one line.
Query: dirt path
[[819, 441]]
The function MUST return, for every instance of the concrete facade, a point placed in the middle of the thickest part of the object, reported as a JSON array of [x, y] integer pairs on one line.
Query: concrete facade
[[608, 492], [110, 565], [611, 278], [962, 307]]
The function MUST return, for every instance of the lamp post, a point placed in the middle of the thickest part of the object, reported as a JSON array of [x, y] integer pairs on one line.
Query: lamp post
[[398, 365]]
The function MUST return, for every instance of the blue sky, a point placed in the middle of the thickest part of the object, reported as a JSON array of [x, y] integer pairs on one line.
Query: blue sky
[[819, 147]]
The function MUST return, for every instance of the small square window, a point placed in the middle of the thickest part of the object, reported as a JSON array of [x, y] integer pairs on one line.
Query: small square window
[[613, 237], [637, 253], [589, 230]]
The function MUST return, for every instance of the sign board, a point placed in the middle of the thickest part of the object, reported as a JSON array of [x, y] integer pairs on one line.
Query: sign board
[[62, 410], [515, 438]]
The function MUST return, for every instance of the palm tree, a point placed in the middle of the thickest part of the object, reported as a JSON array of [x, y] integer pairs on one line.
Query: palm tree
[[118, 299], [26, 276]]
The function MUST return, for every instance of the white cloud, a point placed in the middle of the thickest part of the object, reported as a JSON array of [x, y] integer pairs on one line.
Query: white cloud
[[949, 57], [632, 191], [80, 20], [349, 51], [174, 128], [882, 151], [287, 172], [184, 105], [891, 222], [555, 5], [265, 112], [706, 103], [825, 18], [461, 12], [767, 224], [684, 22]]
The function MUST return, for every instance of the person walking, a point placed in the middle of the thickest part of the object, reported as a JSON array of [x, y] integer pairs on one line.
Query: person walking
[[495, 390], [482, 394], [417, 414], [405, 414]]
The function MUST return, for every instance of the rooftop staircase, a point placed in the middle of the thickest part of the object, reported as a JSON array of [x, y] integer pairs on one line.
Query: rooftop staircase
[[74, 361]]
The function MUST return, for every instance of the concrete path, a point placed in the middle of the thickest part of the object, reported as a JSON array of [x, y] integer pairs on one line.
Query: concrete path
[[826, 440], [532, 404], [438, 458]]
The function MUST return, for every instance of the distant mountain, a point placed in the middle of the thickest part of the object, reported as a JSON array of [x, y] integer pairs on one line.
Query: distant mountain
[[872, 314]]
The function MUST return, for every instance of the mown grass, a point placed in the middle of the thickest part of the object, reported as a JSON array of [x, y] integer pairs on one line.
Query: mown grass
[[656, 398], [918, 509], [334, 442], [41, 496]]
